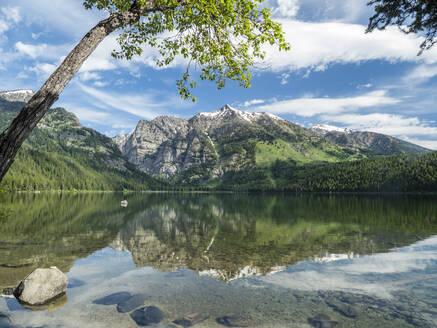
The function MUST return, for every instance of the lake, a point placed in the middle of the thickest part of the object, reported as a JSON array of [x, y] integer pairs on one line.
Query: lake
[[229, 260]]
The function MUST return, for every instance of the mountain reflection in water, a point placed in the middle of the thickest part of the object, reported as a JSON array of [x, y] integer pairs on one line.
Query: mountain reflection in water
[[307, 243]]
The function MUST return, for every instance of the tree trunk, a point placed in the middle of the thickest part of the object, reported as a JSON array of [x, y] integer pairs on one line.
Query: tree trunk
[[13, 137]]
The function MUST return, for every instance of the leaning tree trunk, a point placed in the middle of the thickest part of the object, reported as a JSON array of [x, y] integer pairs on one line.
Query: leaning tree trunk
[[13, 137]]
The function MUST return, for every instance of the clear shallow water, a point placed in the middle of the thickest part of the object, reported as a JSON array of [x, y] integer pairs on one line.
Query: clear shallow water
[[265, 260]]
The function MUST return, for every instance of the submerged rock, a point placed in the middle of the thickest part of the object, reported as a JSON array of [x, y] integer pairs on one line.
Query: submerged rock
[[233, 321], [74, 283], [42, 286], [131, 303], [113, 298], [323, 321], [147, 316], [191, 319]]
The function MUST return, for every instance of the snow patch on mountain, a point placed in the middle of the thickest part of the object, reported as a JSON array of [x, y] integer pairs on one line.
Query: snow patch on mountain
[[329, 128], [17, 95]]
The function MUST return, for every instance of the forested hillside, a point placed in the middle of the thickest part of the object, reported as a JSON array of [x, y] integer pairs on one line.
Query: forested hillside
[[398, 173], [60, 154]]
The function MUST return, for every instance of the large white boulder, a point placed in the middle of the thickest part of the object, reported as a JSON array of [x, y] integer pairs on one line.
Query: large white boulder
[[42, 286]]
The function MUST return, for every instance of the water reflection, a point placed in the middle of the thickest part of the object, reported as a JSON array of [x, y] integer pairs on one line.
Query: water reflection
[[363, 259], [225, 236]]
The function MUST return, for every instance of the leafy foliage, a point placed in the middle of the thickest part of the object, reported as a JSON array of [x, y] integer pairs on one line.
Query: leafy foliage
[[221, 38], [411, 16]]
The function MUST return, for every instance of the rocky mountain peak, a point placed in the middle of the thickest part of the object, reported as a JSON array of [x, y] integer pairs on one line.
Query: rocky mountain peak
[[225, 111], [229, 112], [17, 95]]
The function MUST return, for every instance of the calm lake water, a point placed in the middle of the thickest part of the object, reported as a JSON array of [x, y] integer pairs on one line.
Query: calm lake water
[[236, 260]]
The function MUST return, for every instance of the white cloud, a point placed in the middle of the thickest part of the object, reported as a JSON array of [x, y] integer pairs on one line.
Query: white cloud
[[4, 26], [12, 14], [253, 102], [90, 116], [43, 50], [97, 63], [69, 17], [100, 84], [86, 114], [316, 45], [43, 70], [22, 75], [86, 76], [284, 78], [308, 106], [334, 10], [33, 51], [36, 36], [351, 11], [5, 58], [364, 86], [144, 106], [286, 8], [421, 74], [8, 17], [101, 59]]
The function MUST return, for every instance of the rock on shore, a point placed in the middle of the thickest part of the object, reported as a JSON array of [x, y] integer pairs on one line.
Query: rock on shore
[[42, 286]]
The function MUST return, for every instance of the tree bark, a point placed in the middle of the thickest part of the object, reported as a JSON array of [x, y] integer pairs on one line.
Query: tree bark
[[13, 137]]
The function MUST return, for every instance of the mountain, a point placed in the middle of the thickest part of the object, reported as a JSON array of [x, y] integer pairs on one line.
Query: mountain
[[62, 154], [376, 143], [209, 144], [224, 149]]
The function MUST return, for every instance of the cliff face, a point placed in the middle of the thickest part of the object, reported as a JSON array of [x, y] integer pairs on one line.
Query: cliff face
[[205, 146]]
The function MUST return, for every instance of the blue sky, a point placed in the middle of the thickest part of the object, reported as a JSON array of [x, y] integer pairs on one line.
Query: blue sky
[[334, 74]]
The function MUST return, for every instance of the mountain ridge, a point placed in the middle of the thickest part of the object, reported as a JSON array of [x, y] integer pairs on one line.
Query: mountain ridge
[[216, 141]]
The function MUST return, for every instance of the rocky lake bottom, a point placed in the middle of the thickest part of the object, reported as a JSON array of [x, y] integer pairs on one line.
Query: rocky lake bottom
[[223, 260]]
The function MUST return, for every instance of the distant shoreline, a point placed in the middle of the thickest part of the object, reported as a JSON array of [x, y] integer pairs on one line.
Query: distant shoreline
[[222, 192]]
